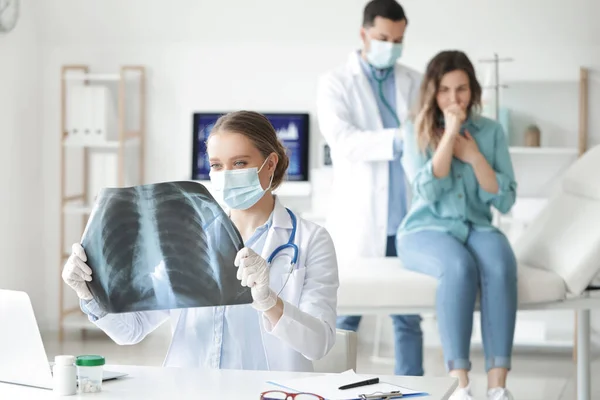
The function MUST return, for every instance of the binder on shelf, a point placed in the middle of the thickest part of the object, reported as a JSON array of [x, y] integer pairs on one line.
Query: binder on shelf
[[74, 123], [91, 116], [99, 110], [87, 107], [104, 114]]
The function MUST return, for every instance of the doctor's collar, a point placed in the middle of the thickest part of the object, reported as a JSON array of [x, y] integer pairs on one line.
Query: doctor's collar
[[281, 218]]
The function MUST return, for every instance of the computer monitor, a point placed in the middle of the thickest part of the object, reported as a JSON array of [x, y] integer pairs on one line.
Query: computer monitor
[[292, 129]]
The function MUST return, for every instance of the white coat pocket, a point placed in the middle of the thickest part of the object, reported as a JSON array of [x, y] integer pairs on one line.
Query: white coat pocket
[[292, 285]]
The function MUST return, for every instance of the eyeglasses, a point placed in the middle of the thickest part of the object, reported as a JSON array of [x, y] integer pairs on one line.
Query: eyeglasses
[[278, 395]]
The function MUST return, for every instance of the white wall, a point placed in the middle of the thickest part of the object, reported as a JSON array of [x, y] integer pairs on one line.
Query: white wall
[[267, 55], [22, 196]]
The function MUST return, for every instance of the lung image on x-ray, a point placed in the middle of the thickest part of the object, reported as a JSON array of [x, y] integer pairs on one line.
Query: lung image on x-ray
[[162, 246]]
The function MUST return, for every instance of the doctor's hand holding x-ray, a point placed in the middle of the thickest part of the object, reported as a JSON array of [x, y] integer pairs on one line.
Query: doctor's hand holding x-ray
[[253, 271], [76, 272], [361, 107], [289, 263]]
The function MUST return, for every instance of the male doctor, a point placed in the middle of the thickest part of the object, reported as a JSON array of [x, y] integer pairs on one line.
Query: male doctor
[[360, 107]]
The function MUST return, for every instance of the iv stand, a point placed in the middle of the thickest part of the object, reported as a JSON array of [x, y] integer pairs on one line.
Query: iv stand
[[496, 86]]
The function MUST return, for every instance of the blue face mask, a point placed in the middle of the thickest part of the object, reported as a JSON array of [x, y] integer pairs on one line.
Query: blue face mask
[[240, 188], [383, 54]]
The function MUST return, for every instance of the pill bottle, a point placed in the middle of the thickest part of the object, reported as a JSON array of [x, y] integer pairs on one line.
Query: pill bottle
[[89, 373], [64, 375]]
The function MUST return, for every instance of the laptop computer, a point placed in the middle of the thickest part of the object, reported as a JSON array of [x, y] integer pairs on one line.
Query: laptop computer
[[23, 358]]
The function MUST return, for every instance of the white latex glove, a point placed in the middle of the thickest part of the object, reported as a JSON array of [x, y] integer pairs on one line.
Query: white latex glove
[[253, 272], [76, 272]]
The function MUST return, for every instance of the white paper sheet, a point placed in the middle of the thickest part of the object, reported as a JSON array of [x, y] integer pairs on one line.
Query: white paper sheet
[[327, 386]]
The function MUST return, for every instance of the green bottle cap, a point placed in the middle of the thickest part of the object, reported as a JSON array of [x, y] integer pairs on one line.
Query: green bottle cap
[[90, 361]]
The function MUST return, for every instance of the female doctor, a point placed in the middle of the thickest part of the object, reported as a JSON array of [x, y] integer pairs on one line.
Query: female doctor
[[291, 320]]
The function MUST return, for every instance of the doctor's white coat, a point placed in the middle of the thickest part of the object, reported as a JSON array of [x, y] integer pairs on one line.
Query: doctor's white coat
[[361, 149], [305, 332]]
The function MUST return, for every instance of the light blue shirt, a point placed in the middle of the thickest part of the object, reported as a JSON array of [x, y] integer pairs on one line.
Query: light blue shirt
[[221, 334], [240, 319], [383, 83], [457, 203]]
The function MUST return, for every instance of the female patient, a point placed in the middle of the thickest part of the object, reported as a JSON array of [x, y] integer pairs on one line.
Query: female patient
[[459, 166], [278, 331]]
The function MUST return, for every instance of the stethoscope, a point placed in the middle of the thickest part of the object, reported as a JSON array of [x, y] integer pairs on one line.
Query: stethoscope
[[381, 96], [289, 244]]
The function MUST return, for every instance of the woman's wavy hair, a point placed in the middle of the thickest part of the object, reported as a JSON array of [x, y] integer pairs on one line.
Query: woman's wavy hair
[[428, 117]]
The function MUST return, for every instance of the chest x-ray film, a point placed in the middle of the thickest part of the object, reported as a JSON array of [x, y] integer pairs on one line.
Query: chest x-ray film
[[162, 246]]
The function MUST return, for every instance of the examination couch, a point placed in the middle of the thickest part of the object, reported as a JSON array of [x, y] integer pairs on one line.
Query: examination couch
[[558, 257]]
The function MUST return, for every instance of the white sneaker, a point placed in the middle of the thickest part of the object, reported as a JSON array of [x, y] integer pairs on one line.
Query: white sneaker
[[462, 393], [499, 394]]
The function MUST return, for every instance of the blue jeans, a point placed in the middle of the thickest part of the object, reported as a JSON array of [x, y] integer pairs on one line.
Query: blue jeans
[[408, 346], [485, 262]]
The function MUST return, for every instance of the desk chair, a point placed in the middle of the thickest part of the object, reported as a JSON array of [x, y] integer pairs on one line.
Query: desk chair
[[342, 356]]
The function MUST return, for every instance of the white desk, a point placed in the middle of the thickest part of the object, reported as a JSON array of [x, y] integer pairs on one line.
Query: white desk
[[174, 383]]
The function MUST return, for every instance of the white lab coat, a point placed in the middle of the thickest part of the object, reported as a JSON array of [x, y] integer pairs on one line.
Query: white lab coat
[[305, 332], [361, 149]]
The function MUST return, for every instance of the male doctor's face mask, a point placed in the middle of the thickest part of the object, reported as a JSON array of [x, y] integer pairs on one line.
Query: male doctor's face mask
[[383, 54], [382, 39], [240, 188]]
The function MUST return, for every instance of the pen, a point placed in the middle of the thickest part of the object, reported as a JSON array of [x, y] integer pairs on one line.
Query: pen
[[391, 395], [359, 384]]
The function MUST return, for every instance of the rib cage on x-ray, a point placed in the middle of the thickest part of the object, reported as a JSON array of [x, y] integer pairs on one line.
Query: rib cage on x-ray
[[162, 246]]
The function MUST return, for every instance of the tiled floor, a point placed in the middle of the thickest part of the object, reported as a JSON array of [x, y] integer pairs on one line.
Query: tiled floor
[[536, 375]]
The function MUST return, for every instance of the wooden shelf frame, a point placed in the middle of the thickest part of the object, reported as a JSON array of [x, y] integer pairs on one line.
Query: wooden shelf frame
[[124, 136]]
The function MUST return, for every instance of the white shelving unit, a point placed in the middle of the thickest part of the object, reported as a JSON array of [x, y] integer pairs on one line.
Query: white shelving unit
[[90, 136], [554, 161]]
